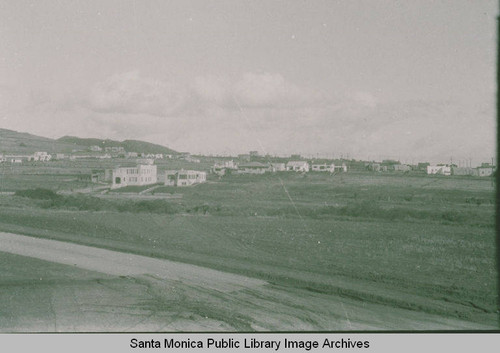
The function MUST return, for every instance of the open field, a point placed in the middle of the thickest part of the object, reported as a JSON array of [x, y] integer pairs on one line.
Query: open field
[[417, 245]]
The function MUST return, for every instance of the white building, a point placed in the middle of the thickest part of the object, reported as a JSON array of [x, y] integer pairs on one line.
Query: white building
[[439, 169], [278, 167], [485, 171], [221, 168], [297, 166], [184, 177], [323, 167], [114, 149], [192, 159], [343, 168], [253, 168], [95, 148], [402, 167], [145, 161], [41, 156], [142, 174], [230, 164]]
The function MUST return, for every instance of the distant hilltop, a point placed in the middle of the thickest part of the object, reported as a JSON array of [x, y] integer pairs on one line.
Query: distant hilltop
[[128, 145], [24, 143]]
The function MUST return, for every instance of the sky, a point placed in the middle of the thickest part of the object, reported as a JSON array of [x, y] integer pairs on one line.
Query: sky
[[406, 80]]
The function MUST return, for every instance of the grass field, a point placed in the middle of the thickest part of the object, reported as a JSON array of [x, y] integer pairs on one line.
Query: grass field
[[421, 243]]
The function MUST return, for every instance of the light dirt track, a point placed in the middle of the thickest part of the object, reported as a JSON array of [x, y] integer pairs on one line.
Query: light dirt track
[[161, 295], [122, 264]]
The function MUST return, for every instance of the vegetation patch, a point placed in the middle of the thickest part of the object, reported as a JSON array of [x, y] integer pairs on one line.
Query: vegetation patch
[[38, 194]]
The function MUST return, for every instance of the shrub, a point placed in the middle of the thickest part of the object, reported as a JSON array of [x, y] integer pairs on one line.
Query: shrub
[[150, 206], [38, 194], [199, 209]]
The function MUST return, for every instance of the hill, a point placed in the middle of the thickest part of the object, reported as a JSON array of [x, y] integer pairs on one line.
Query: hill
[[13, 142], [128, 145]]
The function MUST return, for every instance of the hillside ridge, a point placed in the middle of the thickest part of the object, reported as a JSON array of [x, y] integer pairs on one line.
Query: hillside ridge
[[128, 145], [15, 142]]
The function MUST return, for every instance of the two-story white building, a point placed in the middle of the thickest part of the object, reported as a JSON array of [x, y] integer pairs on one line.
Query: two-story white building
[[142, 174]]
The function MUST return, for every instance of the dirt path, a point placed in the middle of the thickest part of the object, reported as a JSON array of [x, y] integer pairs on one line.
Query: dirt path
[[126, 292], [122, 264]]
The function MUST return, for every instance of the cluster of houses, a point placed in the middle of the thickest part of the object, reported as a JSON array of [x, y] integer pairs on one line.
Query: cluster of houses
[[119, 150], [143, 171], [146, 173], [108, 153], [261, 168], [19, 159], [486, 169]]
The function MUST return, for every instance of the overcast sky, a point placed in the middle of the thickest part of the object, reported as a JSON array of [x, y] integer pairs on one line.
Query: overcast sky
[[372, 79]]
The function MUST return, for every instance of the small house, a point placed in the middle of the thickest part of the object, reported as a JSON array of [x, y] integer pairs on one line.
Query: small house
[[485, 171], [41, 156], [253, 168], [343, 168], [323, 167], [297, 166], [184, 177], [439, 169], [401, 167], [375, 167], [278, 167]]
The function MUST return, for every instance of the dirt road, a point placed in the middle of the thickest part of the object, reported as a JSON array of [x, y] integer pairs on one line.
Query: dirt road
[[50, 286], [122, 264]]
